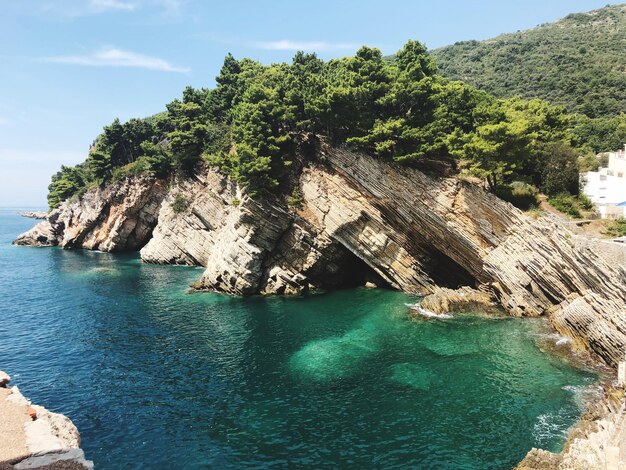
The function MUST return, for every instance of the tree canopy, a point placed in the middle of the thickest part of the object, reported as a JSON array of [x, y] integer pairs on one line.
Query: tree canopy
[[577, 62], [400, 110]]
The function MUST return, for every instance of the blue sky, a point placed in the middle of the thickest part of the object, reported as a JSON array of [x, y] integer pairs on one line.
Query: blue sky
[[70, 67]]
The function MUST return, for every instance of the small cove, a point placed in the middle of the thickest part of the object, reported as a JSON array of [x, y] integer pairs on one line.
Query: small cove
[[155, 377]]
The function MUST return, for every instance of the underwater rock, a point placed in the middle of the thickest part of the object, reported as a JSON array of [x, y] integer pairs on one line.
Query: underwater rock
[[413, 375], [444, 300]]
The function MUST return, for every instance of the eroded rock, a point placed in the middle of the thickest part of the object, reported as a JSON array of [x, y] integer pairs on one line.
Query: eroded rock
[[119, 217], [444, 300], [359, 219]]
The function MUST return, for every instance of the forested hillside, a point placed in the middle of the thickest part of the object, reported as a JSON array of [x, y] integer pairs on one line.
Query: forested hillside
[[578, 62], [251, 126]]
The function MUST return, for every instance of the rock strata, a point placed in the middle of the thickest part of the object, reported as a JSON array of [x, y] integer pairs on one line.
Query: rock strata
[[119, 217], [357, 219], [444, 300]]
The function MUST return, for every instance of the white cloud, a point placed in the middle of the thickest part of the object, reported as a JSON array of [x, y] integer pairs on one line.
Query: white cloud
[[107, 5], [113, 57], [310, 46], [172, 6], [79, 8]]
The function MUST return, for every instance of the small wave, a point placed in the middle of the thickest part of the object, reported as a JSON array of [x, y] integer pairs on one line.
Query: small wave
[[547, 428], [583, 394], [427, 313], [558, 339]]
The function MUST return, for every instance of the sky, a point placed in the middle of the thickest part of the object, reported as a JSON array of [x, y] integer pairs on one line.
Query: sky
[[69, 67]]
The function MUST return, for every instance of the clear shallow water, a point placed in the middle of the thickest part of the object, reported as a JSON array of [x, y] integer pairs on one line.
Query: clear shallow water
[[155, 377]]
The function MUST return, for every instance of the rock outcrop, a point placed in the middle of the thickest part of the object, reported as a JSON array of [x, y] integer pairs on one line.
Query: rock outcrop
[[357, 219], [598, 441], [33, 437], [444, 300], [34, 214], [119, 217]]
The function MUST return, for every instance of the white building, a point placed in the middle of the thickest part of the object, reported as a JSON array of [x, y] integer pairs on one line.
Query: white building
[[607, 187]]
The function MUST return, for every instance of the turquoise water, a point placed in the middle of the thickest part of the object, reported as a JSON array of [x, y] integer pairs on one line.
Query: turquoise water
[[155, 377]]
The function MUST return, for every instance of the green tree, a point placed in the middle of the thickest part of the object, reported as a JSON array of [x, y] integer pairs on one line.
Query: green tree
[[100, 165], [187, 140], [560, 171], [66, 183]]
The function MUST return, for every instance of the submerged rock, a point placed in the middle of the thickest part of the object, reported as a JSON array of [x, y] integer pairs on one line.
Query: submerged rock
[[444, 300], [358, 219]]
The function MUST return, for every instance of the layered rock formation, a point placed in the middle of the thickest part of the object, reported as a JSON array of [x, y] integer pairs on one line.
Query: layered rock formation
[[444, 300], [119, 217], [357, 218]]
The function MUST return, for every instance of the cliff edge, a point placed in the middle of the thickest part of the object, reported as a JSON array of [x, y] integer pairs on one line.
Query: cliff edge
[[353, 219]]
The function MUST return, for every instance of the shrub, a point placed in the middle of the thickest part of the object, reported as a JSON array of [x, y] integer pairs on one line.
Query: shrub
[[585, 202], [588, 163], [295, 200], [522, 195], [235, 202], [139, 167], [617, 228], [567, 204], [180, 203]]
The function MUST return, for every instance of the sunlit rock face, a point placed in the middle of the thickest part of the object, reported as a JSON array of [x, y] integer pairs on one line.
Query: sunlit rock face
[[119, 217], [358, 219]]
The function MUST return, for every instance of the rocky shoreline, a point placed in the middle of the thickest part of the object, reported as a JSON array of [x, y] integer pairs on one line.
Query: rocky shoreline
[[31, 437], [34, 214], [597, 441], [356, 219], [350, 220]]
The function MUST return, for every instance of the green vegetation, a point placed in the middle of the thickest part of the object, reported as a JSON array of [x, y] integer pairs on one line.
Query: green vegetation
[[66, 183], [522, 195], [570, 205], [258, 119], [180, 203], [577, 62], [295, 200], [617, 228]]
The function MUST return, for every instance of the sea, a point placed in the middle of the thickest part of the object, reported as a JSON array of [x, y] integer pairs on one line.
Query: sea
[[156, 376]]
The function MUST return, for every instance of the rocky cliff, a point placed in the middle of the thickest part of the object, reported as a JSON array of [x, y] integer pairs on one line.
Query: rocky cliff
[[354, 219], [119, 217]]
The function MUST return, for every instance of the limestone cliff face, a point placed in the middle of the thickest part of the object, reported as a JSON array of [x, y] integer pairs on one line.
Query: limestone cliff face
[[532, 266], [120, 217], [356, 219]]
